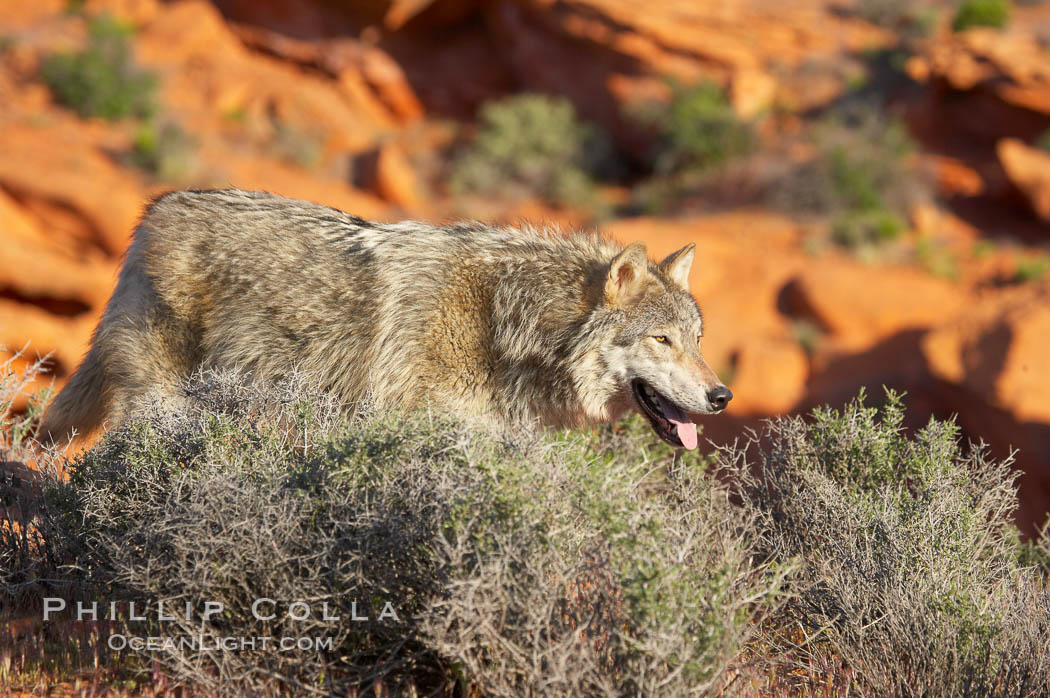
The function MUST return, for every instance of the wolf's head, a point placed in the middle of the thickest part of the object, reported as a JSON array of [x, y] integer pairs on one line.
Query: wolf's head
[[651, 353]]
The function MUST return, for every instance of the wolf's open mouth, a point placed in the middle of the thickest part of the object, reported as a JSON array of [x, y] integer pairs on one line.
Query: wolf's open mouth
[[668, 419]]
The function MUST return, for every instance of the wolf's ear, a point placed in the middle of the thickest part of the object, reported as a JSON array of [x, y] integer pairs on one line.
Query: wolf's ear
[[678, 264], [627, 274]]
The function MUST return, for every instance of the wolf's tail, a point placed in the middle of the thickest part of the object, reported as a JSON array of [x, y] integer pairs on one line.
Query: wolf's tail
[[82, 403]]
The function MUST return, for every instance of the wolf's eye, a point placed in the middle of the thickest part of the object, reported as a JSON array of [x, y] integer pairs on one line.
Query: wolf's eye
[[661, 339]]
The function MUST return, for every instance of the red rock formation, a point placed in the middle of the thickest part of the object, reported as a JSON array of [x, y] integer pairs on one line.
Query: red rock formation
[[1029, 170]]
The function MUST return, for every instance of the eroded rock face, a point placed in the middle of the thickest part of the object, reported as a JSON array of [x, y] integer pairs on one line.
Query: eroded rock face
[[992, 359], [44, 269], [617, 52], [70, 194], [63, 167], [1029, 170], [1011, 63], [860, 305], [997, 350]]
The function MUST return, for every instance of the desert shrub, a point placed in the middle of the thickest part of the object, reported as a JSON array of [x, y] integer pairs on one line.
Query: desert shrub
[[981, 13], [516, 565], [910, 571], [17, 426], [20, 558], [1035, 551], [102, 79], [909, 17], [1044, 141], [858, 228], [697, 138], [296, 145], [164, 150], [862, 178], [530, 144], [698, 130], [841, 552], [886, 13], [1031, 268], [936, 257]]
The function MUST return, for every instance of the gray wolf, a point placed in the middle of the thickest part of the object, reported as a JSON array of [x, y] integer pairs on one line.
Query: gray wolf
[[509, 325]]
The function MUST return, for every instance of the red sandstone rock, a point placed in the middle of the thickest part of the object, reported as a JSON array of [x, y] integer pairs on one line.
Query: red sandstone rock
[[1012, 64], [612, 46], [209, 74], [997, 349], [369, 75], [954, 177], [395, 180], [59, 167], [41, 333], [858, 304], [36, 268], [752, 92], [1029, 170], [768, 376]]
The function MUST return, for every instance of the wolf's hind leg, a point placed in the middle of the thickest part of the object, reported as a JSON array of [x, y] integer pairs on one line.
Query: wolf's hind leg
[[139, 347], [82, 404]]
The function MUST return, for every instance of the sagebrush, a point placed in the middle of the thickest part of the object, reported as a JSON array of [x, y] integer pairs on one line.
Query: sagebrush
[[831, 555], [102, 79], [696, 135], [981, 13], [910, 574], [863, 178], [516, 565], [531, 144]]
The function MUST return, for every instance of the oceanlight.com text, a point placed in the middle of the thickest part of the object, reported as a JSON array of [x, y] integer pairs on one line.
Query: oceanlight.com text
[[200, 643]]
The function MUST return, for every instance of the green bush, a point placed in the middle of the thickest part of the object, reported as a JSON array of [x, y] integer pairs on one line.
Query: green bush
[[1044, 141], [697, 137], [552, 565], [864, 160], [16, 426], [910, 17], [600, 563], [862, 178], [937, 257], [530, 144], [911, 573], [866, 227], [102, 80], [981, 13], [1031, 268], [164, 150], [886, 13], [699, 130]]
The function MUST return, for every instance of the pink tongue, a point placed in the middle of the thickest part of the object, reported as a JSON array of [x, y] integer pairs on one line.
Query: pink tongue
[[685, 428]]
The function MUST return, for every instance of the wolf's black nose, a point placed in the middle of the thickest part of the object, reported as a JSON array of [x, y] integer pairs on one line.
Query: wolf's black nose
[[719, 397]]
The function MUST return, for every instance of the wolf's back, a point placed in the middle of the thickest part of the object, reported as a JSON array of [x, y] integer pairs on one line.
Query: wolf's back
[[265, 284]]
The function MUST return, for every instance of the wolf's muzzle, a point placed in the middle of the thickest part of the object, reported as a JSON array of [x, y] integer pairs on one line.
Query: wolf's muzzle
[[719, 397]]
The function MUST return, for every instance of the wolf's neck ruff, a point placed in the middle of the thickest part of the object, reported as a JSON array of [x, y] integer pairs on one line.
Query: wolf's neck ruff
[[509, 324]]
